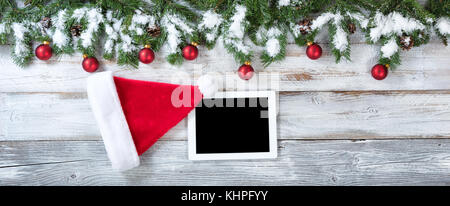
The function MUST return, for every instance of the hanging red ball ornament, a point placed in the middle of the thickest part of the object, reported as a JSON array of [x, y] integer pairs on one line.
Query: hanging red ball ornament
[[146, 55], [190, 51], [90, 64], [246, 71], [44, 51], [379, 71], [313, 51]]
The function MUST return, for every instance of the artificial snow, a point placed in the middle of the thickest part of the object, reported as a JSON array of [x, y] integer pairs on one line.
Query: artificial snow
[[78, 14], [173, 38], [19, 33], [95, 18], [237, 25], [393, 23], [2, 28], [363, 21], [239, 45], [390, 48], [211, 36], [126, 45], [295, 29], [210, 20], [235, 34], [260, 34], [180, 23], [273, 44], [321, 20], [443, 25], [340, 40], [59, 37], [273, 47], [140, 20], [284, 3], [273, 32], [171, 22], [112, 30], [210, 24]]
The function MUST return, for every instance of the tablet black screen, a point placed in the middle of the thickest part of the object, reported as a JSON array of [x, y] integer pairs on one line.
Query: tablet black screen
[[232, 125]]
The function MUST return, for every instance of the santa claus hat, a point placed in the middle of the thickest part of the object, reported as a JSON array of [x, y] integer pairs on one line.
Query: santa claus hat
[[132, 114]]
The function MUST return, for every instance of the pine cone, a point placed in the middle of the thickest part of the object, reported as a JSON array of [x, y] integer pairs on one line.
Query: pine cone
[[46, 22], [351, 28], [406, 42], [75, 30], [305, 26], [154, 31]]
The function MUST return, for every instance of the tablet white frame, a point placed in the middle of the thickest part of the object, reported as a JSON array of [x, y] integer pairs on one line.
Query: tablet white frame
[[272, 115]]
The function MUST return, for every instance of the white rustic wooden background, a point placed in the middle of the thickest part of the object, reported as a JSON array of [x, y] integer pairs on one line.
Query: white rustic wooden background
[[337, 125]]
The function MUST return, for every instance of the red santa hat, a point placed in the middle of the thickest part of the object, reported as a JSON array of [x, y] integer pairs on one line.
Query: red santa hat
[[132, 114]]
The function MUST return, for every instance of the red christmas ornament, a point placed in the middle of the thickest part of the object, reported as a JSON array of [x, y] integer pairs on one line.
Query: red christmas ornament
[[44, 51], [379, 71], [146, 55], [246, 71], [314, 51], [190, 51], [90, 64]]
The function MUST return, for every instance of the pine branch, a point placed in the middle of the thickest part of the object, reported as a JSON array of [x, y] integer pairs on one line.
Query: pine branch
[[123, 26]]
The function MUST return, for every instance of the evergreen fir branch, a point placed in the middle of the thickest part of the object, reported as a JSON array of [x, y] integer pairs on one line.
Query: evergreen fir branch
[[175, 58], [441, 10], [438, 8], [21, 49], [209, 28], [274, 41], [183, 21], [128, 58], [233, 33]]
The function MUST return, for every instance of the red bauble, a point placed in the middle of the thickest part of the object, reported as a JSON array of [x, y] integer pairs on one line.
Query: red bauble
[[314, 51], [190, 51], [90, 64], [43, 51], [246, 71], [379, 71], [146, 55]]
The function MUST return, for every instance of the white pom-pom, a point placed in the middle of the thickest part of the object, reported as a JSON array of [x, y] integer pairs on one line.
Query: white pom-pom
[[208, 85]]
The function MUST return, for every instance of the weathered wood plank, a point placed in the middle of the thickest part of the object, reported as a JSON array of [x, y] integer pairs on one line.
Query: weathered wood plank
[[423, 68], [329, 162], [303, 115]]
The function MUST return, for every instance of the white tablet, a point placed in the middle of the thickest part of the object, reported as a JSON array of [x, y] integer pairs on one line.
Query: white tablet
[[234, 125]]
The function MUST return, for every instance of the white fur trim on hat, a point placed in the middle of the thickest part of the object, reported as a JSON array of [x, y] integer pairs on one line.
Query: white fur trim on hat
[[208, 85], [111, 120]]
